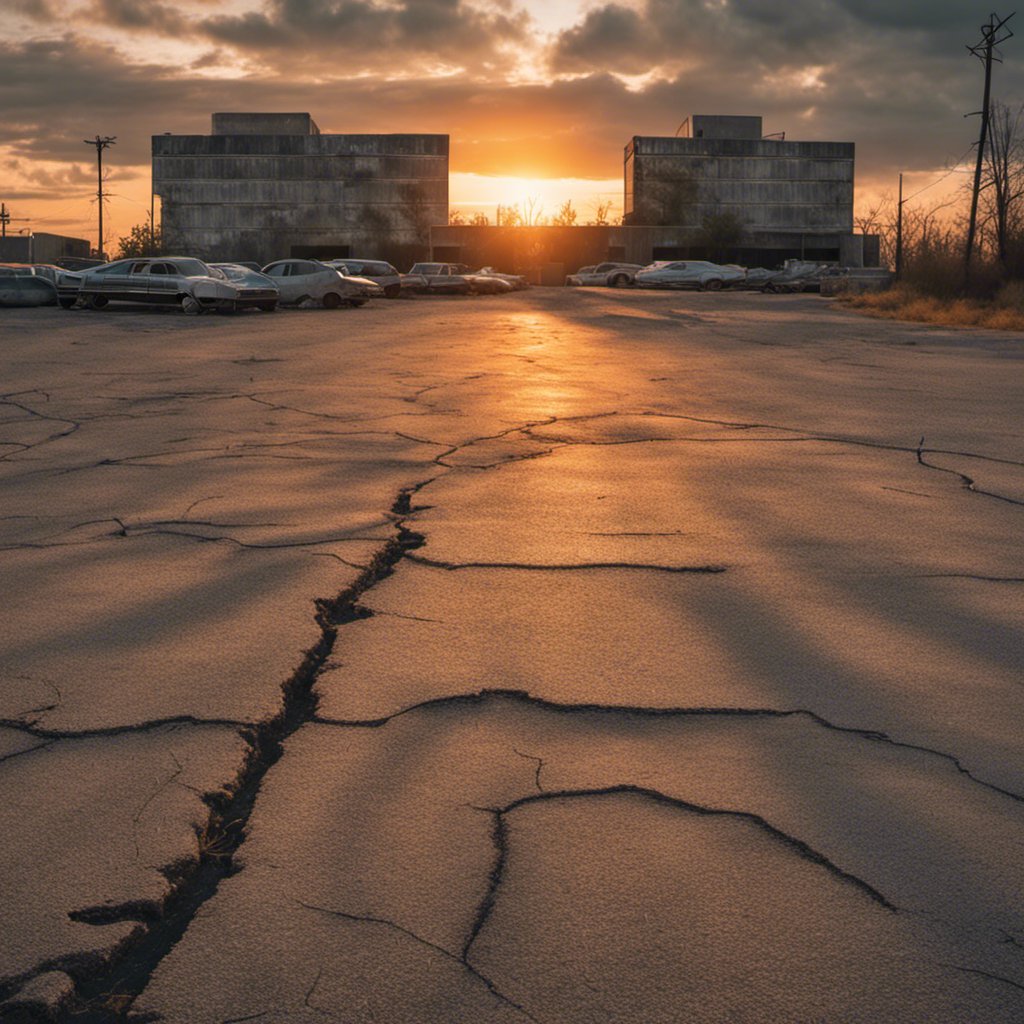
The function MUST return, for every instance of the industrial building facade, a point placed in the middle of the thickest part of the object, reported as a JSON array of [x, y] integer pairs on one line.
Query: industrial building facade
[[717, 191], [266, 186], [781, 199]]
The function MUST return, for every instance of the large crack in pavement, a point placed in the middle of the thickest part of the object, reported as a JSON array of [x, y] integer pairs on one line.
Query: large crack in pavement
[[103, 993], [626, 711], [499, 836]]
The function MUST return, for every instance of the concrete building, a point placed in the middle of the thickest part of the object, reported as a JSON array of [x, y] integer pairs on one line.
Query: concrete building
[[266, 186], [41, 247], [719, 191], [787, 199]]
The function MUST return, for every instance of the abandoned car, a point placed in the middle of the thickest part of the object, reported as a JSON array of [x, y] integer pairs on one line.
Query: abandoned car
[[612, 275], [689, 274], [301, 281], [170, 281]]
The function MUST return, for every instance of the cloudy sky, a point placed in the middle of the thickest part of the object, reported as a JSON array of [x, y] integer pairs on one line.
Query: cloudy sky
[[539, 96]]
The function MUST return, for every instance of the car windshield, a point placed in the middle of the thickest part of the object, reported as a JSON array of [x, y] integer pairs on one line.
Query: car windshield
[[232, 272], [427, 268], [191, 268]]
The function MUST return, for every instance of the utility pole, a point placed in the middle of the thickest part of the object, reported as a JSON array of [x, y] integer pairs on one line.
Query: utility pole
[[6, 218], [100, 144], [899, 231], [992, 34]]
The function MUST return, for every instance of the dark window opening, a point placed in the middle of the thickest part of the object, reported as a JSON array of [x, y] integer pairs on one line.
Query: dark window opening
[[319, 252]]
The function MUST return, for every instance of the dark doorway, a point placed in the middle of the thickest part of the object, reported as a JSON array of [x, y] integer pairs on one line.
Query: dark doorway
[[320, 252]]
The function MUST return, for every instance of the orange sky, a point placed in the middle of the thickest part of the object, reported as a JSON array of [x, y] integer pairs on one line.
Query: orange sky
[[539, 96]]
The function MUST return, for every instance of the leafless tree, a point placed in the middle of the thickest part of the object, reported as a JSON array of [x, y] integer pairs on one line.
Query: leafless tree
[[533, 212], [602, 210], [1003, 179], [566, 216]]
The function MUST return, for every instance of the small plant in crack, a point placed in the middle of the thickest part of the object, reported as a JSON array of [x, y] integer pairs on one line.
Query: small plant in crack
[[218, 840]]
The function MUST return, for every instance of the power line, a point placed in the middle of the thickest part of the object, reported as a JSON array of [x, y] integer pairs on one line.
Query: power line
[[955, 169]]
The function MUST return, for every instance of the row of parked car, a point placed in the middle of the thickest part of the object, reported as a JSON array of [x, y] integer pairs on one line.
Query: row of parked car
[[195, 286], [793, 276]]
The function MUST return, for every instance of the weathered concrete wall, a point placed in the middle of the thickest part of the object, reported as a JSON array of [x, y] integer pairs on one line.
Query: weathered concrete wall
[[721, 126], [767, 184], [263, 124], [258, 197]]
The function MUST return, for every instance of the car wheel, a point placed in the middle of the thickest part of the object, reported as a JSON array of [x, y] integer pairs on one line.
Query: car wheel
[[96, 301], [67, 303], [332, 300], [619, 281], [771, 289], [268, 307], [191, 306], [358, 302], [392, 291], [713, 285]]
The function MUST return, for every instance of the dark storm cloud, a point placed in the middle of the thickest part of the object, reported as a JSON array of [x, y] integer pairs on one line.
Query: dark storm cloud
[[371, 34], [128, 14], [893, 77], [365, 33], [897, 93], [632, 40]]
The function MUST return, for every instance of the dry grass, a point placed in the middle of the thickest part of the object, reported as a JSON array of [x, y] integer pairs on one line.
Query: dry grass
[[1004, 312]]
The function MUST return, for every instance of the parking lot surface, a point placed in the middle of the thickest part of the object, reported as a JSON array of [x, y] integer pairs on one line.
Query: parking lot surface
[[566, 656]]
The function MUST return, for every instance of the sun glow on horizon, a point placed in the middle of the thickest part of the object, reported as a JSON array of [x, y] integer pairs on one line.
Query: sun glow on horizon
[[483, 193]]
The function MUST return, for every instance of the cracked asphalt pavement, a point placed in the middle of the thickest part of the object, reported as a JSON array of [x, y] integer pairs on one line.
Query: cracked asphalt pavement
[[568, 656]]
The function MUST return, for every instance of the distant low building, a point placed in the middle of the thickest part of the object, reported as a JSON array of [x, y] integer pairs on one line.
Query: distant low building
[[41, 247], [265, 186]]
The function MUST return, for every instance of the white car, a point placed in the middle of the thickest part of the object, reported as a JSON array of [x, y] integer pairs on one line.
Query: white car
[[689, 274], [252, 282], [611, 275], [300, 281], [168, 281]]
